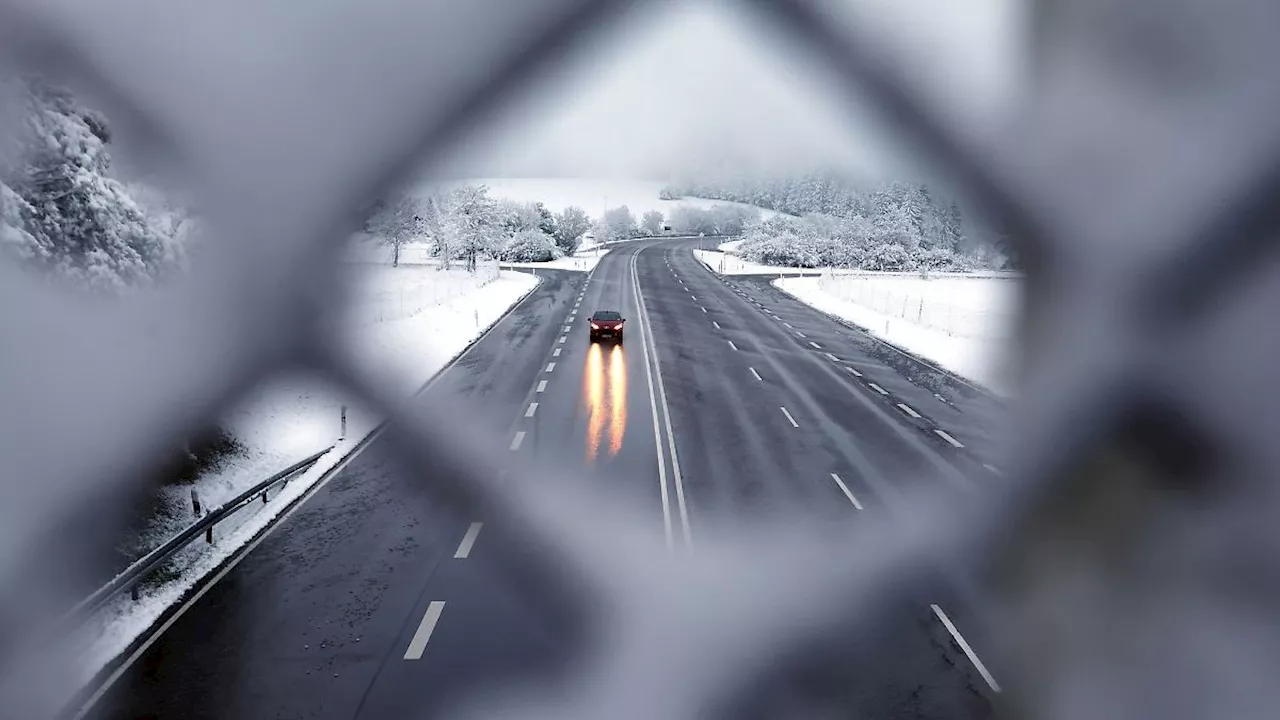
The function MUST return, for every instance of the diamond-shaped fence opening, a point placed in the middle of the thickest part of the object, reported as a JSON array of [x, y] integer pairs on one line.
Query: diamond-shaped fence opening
[[1130, 539]]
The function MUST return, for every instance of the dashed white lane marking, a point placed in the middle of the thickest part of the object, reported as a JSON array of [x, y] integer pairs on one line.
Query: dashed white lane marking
[[942, 434], [695, 297], [703, 309], [735, 347], [468, 541], [515, 441], [847, 492], [713, 322], [878, 389], [784, 322], [562, 338], [753, 372], [551, 366], [973, 657], [800, 334], [425, 628], [533, 408], [855, 372], [542, 386], [555, 353], [789, 418], [815, 345], [907, 409], [993, 469], [832, 357], [568, 328]]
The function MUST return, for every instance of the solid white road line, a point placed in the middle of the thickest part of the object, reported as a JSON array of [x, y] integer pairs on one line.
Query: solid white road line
[[815, 345], [789, 418], [831, 357], [555, 353], [542, 386], [425, 628], [942, 434], [713, 322], [847, 492], [993, 469], [653, 405], [551, 366], [907, 409], [515, 441], [855, 372], [468, 541], [753, 372], [878, 389], [735, 347], [973, 658], [533, 408]]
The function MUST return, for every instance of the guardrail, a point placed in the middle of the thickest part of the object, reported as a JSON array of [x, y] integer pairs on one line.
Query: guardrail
[[129, 578]]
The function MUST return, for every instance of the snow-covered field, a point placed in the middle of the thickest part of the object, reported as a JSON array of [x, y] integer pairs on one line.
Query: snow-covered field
[[972, 317], [404, 324], [593, 195]]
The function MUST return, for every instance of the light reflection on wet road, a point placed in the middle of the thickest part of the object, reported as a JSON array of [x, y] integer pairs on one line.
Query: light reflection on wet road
[[605, 394]]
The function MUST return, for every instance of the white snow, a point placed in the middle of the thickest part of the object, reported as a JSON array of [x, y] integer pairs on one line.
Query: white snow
[[404, 324], [961, 323], [730, 264], [583, 260], [595, 195]]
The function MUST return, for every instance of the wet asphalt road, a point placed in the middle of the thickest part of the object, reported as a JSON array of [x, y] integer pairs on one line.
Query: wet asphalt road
[[766, 398]]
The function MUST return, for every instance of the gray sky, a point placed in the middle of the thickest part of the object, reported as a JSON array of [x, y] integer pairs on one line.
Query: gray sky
[[690, 82]]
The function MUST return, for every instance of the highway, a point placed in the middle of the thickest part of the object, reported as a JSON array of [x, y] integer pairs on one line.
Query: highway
[[729, 400]]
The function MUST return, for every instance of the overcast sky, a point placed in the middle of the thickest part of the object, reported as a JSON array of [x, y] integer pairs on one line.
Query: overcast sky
[[688, 83]]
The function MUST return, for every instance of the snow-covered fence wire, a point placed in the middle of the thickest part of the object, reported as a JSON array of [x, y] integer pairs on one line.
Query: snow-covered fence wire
[[906, 300], [1130, 538]]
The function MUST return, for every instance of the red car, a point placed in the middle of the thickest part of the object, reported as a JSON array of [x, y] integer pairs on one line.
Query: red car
[[607, 324]]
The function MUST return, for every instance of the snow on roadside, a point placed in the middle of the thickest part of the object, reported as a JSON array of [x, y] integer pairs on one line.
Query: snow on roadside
[[439, 312], [730, 264], [582, 261], [981, 360]]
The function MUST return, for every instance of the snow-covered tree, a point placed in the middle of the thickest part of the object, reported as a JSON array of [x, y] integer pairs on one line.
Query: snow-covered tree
[[651, 222], [618, 224], [400, 221], [691, 220], [571, 224], [63, 210], [471, 222], [531, 245]]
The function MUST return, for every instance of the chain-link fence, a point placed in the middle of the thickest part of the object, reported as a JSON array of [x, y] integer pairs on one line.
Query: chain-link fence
[[1132, 535]]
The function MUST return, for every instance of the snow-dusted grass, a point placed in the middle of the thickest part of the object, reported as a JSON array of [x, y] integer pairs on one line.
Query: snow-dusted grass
[[975, 353], [581, 261], [404, 324], [730, 264]]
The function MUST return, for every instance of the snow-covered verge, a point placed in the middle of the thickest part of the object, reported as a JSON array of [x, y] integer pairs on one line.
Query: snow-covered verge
[[404, 324], [595, 195], [889, 306], [584, 261], [730, 264]]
